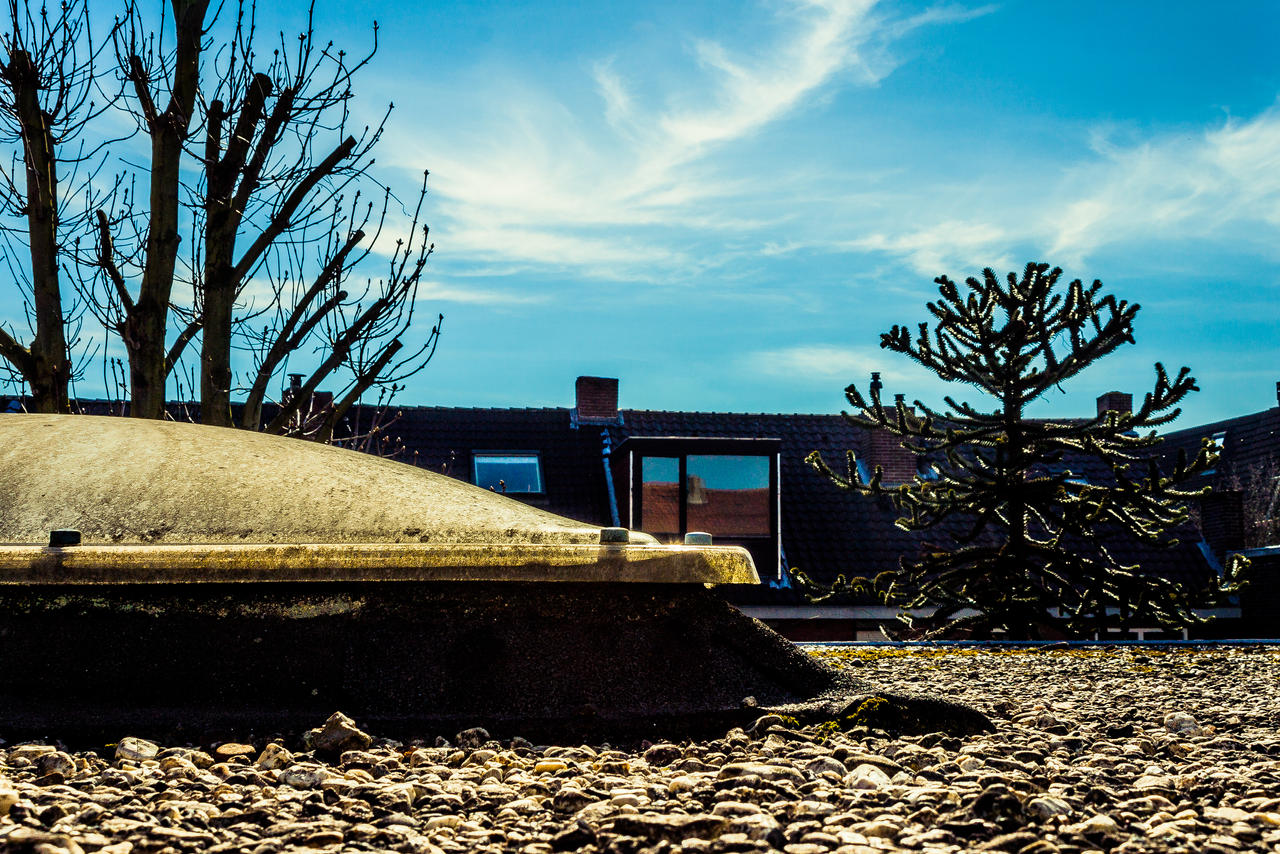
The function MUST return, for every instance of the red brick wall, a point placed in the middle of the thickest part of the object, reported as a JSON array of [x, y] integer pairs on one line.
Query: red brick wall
[[1118, 400], [597, 397], [1222, 521], [885, 450]]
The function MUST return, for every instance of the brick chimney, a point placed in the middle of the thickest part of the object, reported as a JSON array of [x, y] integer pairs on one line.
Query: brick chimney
[[596, 400], [1120, 401], [1222, 521], [885, 450]]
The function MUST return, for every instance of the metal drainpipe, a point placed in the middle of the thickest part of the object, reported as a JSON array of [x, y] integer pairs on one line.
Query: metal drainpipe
[[783, 582], [606, 451]]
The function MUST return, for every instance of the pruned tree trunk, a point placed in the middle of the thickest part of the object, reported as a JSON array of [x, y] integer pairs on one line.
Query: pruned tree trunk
[[46, 366], [146, 323]]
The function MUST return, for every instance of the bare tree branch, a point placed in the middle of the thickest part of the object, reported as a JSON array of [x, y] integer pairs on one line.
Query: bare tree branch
[[184, 338], [137, 75], [15, 353], [282, 218], [363, 383], [106, 259]]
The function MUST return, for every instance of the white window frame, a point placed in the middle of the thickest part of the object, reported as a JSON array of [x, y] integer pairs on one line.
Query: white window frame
[[480, 456]]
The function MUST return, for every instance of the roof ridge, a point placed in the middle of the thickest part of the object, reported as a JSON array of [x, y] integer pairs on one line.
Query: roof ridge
[[721, 412], [423, 408], [1225, 422]]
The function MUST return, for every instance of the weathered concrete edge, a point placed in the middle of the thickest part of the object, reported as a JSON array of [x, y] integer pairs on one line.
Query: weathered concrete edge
[[371, 562]]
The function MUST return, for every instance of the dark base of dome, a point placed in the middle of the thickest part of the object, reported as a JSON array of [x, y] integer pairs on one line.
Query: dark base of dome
[[547, 661]]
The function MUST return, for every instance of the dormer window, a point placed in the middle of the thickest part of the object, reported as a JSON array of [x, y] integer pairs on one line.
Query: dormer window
[[511, 472], [724, 487], [728, 494]]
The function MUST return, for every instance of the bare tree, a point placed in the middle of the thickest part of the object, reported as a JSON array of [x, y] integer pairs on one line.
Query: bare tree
[[364, 335], [272, 193], [47, 83], [275, 194], [142, 321]]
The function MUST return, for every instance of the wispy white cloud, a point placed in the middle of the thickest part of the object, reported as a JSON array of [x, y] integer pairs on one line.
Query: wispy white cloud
[[948, 245], [626, 180], [1172, 187], [434, 292], [749, 92], [626, 186], [1219, 183], [834, 366], [825, 364]]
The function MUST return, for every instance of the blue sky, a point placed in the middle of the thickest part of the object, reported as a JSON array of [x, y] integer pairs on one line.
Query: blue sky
[[724, 204]]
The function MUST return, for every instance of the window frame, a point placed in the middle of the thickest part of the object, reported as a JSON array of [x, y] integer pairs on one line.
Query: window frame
[[477, 455], [771, 481], [765, 549]]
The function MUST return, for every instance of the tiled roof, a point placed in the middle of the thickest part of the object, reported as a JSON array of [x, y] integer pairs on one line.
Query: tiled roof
[[1251, 443], [443, 439]]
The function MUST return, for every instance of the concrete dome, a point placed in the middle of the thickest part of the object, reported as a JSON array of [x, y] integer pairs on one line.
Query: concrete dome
[[156, 500], [130, 480]]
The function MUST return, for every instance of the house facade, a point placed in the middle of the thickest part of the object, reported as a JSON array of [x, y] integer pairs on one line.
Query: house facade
[[1241, 511], [740, 477]]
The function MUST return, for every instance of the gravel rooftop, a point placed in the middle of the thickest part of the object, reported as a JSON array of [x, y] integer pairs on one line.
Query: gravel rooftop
[[1107, 749]]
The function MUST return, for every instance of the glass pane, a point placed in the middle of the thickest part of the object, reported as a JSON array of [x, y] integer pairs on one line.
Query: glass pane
[[508, 472], [728, 495], [660, 495]]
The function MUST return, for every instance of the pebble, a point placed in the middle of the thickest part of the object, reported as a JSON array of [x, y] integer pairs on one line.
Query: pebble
[[1094, 750], [136, 749], [1181, 723], [338, 734], [230, 749], [274, 756], [1046, 807], [305, 776], [8, 797], [867, 777]]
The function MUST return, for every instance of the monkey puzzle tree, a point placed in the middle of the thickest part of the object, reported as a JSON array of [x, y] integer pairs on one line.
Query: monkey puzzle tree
[[1028, 532]]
